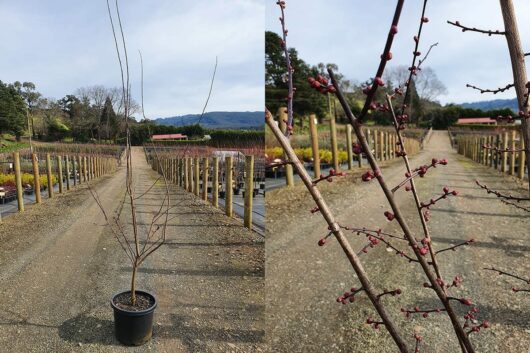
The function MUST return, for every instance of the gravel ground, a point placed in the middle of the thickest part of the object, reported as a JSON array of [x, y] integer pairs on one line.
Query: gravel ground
[[303, 280], [59, 266]]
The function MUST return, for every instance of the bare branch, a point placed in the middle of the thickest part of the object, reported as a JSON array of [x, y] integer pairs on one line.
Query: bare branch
[[473, 29], [500, 195], [494, 91]]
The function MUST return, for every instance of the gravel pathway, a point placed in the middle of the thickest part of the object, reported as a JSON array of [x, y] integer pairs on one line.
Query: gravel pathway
[[59, 266], [303, 280]]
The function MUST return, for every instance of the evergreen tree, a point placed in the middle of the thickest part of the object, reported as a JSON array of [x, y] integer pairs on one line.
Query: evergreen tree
[[109, 120], [12, 110]]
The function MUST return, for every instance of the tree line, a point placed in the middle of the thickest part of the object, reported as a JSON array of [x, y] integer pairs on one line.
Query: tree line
[[425, 90], [91, 114]]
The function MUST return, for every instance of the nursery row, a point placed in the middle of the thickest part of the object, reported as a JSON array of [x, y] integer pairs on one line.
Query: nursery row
[[65, 170], [504, 152], [212, 177], [383, 144]]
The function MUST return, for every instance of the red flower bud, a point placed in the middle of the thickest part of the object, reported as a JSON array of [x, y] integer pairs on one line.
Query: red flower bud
[[368, 176], [389, 215], [379, 81], [387, 57], [466, 301], [393, 29]]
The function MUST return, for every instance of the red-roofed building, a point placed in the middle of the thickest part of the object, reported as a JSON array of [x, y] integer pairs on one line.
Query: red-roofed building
[[169, 137], [488, 121]]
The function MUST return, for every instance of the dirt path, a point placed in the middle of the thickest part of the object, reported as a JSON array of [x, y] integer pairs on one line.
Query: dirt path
[[303, 280], [59, 266]]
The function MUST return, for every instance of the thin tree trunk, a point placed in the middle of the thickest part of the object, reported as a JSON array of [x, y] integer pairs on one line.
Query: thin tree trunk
[[519, 70], [133, 284]]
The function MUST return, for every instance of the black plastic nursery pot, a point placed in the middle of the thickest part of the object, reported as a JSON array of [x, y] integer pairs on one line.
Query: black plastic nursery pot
[[133, 328]]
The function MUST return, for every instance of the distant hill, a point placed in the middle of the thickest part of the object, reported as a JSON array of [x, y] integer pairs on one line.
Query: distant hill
[[493, 104], [218, 120]]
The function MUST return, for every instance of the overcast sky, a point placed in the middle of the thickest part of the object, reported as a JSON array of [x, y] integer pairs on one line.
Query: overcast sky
[[62, 45], [352, 33]]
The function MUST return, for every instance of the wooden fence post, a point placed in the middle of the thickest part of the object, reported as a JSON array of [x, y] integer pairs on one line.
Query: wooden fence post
[[74, 169], [36, 177], [18, 180], [49, 176], [205, 178], [215, 182], [67, 165], [175, 170], [228, 187], [382, 146], [334, 147], [85, 172], [172, 170], [88, 169], [349, 146], [522, 157], [375, 146], [387, 147], [190, 174], [80, 168], [185, 170], [484, 141], [391, 145], [491, 153], [314, 144], [249, 190], [60, 173], [512, 153], [505, 154], [197, 174], [180, 172]]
